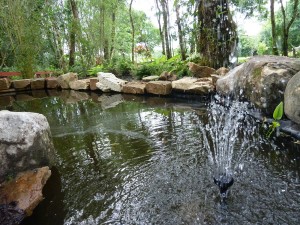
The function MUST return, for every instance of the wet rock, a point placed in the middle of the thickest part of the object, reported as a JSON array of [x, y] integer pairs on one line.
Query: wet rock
[[150, 78], [134, 88], [4, 83], [193, 85], [292, 99], [262, 80], [159, 87], [52, 83], [25, 142], [93, 82], [111, 81], [166, 76], [38, 83], [65, 79], [11, 214], [226, 85], [22, 84], [200, 71], [25, 191], [80, 84]]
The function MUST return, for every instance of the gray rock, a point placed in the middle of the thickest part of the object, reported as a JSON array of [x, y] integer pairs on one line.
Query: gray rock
[[262, 80], [111, 81], [25, 142], [292, 99]]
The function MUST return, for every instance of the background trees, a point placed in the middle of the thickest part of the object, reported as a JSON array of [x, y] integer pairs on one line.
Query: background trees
[[73, 35]]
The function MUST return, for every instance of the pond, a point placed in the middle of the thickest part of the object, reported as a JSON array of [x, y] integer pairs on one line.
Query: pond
[[124, 159]]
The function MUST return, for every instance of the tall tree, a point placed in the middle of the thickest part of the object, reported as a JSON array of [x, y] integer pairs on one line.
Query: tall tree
[[180, 31], [132, 31], [217, 36], [286, 25], [73, 30], [159, 13], [273, 23], [165, 13]]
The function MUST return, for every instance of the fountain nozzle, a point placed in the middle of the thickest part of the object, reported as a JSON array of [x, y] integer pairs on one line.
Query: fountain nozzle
[[224, 182]]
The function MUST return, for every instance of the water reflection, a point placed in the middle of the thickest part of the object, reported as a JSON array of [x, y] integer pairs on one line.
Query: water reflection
[[145, 161]]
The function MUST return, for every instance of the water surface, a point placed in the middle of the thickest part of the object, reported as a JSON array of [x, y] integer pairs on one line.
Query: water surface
[[144, 160]]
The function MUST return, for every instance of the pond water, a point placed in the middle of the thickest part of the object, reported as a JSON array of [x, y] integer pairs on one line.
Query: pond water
[[144, 160]]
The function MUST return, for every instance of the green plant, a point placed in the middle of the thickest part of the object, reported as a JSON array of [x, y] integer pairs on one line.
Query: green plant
[[96, 69], [277, 115]]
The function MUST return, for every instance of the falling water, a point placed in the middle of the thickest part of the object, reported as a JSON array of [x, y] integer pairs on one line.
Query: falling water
[[227, 137]]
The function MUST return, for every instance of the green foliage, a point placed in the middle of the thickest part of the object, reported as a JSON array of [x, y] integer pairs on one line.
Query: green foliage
[[277, 115], [96, 69], [278, 112], [159, 65]]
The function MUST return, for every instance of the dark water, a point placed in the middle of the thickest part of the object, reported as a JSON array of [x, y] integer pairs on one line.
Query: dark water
[[136, 160]]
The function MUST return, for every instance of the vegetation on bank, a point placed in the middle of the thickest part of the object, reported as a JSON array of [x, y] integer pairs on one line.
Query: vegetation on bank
[[91, 36]]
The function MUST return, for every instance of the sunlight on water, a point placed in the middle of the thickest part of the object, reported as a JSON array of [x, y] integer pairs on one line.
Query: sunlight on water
[[152, 161]]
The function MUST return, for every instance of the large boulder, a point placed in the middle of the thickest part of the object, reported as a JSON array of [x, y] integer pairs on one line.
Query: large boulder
[[25, 191], [52, 83], [262, 80], [65, 79], [37, 84], [194, 85], [102, 87], [159, 87], [111, 81], [134, 88], [4, 83], [292, 99], [22, 84], [25, 142], [200, 71], [80, 84]]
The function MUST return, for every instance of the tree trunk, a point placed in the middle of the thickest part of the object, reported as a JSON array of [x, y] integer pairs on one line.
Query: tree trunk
[[218, 37], [274, 35], [74, 27], [132, 31], [113, 33], [166, 30], [286, 26], [161, 34], [180, 34]]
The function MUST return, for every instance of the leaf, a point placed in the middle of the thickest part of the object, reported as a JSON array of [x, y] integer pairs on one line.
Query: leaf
[[278, 112], [275, 124]]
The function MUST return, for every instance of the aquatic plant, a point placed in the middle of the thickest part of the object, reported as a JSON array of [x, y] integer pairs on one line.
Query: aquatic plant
[[277, 115]]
